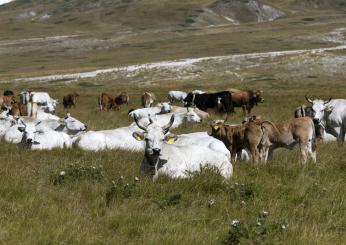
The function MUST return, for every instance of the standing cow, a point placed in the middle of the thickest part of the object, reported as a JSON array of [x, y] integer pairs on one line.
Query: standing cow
[[107, 102], [122, 98], [331, 115], [219, 102], [148, 99], [70, 100], [246, 99]]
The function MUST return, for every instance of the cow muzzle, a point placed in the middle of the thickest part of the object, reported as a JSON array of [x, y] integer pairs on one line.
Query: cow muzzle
[[156, 151]]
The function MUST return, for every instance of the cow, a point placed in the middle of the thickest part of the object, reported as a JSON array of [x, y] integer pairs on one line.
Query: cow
[[179, 109], [331, 115], [163, 157], [37, 100], [122, 98], [211, 101], [295, 131], [178, 96], [6, 101], [148, 99], [37, 137], [188, 116], [70, 100], [246, 99], [106, 102], [161, 108], [306, 111], [237, 138]]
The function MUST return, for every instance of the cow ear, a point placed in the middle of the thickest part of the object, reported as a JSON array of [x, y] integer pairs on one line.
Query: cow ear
[[21, 129], [171, 138], [329, 108], [138, 136]]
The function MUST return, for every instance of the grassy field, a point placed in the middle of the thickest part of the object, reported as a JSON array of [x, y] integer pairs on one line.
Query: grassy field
[[100, 201]]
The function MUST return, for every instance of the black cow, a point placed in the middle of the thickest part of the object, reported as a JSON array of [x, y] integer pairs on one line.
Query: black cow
[[221, 101], [307, 111]]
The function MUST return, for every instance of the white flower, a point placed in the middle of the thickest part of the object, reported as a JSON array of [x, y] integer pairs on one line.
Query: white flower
[[284, 226], [264, 213], [136, 179], [243, 203], [235, 222], [211, 202], [121, 177], [258, 223], [62, 173]]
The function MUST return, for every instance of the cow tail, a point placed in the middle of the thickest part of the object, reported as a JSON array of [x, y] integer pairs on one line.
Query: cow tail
[[314, 140]]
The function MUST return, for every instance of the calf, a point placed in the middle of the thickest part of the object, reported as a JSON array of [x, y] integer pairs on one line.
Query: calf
[[106, 102], [148, 99], [122, 98], [246, 99], [296, 131], [307, 111], [239, 137], [70, 100], [211, 101]]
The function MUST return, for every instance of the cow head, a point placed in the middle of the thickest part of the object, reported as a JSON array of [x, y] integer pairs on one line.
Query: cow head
[[191, 116], [165, 107], [72, 124], [29, 132], [216, 126], [189, 100], [257, 96], [154, 136], [321, 110]]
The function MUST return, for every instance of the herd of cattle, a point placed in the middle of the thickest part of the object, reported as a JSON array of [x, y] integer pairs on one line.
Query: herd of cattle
[[31, 123]]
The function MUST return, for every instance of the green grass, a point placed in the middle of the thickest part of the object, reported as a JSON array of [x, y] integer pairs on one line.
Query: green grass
[[107, 205]]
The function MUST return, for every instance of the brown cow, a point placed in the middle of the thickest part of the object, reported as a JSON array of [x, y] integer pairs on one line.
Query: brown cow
[[18, 109], [106, 102], [148, 99], [122, 98], [296, 131], [246, 99], [6, 101], [70, 100], [238, 137]]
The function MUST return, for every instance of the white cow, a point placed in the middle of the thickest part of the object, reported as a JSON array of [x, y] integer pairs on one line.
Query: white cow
[[188, 116], [39, 137], [36, 101], [160, 108], [120, 138], [6, 121], [178, 96], [163, 157], [178, 109], [331, 115]]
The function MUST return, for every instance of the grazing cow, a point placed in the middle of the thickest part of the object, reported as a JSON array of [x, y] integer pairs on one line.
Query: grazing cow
[[210, 101], [237, 138], [161, 108], [246, 99], [37, 137], [70, 100], [296, 131], [122, 98], [178, 96], [179, 109], [106, 102], [331, 115], [148, 99], [163, 157]]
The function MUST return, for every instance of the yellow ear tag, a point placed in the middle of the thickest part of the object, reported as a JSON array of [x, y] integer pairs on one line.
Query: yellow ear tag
[[215, 127], [171, 141], [138, 138]]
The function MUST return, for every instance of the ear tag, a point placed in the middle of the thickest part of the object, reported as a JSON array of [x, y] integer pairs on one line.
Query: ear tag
[[215, 127], [171, 141], [138, 138]]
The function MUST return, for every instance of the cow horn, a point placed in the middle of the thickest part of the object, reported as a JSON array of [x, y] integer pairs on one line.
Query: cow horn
[[138, 124], [150, 119], [167, 127], [326, 102], [308, 99]]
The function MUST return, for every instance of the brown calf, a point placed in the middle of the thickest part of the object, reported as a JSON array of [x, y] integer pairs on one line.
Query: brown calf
[[148, 99], [296, 131], [70, 100], [238, 137], [106, 102], [246, 99]]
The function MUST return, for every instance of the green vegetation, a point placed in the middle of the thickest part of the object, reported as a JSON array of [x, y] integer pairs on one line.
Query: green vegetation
[[76, 197]]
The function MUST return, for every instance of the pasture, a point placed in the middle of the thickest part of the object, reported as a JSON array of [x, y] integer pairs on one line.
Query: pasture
[[305, 204], [77, 197]]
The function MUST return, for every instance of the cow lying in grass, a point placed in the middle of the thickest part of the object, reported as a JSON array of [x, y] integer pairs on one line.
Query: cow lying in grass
[[163, 157]]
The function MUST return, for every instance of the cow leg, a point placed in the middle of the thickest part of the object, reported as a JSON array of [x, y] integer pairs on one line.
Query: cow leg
[[341, 136], [254, 153], [244, 109]]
